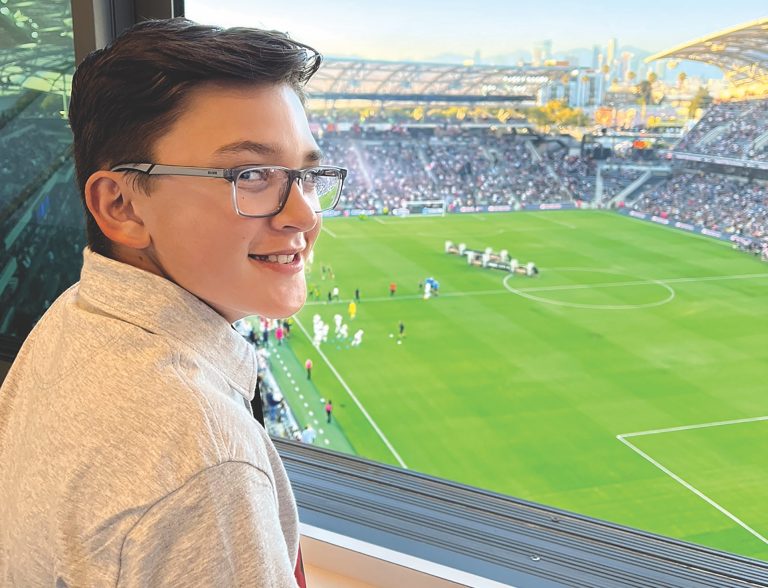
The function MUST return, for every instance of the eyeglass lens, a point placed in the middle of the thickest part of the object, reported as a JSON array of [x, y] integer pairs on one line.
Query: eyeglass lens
[[260, 191]]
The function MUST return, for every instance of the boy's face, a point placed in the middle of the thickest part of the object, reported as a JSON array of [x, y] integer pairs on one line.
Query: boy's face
[[198, 240]]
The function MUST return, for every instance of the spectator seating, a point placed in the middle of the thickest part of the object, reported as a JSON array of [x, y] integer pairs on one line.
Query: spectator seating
[[731, 129]]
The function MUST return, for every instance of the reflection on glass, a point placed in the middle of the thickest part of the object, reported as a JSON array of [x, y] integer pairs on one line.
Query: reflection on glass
[[41, 220]]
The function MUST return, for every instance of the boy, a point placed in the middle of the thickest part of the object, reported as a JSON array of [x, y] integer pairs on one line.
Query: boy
[[129, 452]]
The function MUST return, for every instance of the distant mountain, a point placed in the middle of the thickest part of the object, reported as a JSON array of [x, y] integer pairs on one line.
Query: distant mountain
[[512, 58], [448, 58], [579, 56]]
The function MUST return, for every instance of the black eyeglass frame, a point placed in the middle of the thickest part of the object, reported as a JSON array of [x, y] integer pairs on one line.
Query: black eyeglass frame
[[233, 174]]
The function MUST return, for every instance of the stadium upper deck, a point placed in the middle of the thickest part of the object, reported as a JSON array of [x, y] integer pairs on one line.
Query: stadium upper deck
[[402, 81]]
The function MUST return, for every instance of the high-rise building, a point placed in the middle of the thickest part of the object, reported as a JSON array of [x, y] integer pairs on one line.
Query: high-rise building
[[613, 47], [596, 57], [538, 55], [625, 65], [547, 47]]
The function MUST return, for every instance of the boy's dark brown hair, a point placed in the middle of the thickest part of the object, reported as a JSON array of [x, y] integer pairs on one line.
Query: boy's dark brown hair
[[127, 95]]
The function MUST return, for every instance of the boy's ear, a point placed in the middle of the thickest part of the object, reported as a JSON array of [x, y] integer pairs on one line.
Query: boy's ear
[[109, 198]]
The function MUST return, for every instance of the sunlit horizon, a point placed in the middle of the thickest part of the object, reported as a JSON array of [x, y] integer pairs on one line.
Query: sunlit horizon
[[491, 32]]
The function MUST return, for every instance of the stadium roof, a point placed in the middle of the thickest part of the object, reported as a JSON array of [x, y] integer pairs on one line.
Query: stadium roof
[[741, 52], [438, 82]]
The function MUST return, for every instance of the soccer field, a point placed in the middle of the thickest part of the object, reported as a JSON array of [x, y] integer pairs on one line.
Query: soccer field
[[628, 381]]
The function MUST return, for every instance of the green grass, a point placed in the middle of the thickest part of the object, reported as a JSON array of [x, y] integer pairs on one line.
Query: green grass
[[525, 394]]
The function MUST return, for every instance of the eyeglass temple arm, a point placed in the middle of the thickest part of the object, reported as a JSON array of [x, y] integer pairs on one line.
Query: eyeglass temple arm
[[160, 170]]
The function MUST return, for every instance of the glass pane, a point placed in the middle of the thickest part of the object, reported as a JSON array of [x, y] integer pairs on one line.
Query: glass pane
[[484, 305], [41, 219]]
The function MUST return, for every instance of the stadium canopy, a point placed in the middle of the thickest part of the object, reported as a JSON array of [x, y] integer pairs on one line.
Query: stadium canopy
[[741, 52], [402, 81]]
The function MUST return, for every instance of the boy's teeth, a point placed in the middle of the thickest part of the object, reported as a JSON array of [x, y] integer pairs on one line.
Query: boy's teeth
[[274, 258], [280, 258]]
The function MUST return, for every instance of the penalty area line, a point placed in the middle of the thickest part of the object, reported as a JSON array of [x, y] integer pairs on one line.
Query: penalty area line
[[691, 488], [354, 398], [330, 232], [699, 426]]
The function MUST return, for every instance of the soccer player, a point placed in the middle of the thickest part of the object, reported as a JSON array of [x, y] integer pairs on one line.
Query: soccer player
[[129, 452], [357, 338], [337, 319], [352, 308], [392, 288]]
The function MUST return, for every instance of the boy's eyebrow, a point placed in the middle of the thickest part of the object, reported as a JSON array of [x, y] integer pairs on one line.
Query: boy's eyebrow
[[313, 156]]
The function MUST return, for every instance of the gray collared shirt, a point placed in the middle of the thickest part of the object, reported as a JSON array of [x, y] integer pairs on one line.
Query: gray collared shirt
[[128, 453]]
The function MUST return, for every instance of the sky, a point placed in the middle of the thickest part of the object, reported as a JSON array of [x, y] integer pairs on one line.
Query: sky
[[422, 30]]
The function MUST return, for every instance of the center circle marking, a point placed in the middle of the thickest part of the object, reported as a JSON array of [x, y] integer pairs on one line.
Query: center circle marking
[[670, 296]]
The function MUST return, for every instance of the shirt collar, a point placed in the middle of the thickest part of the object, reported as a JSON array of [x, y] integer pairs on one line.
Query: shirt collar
[[159, 306]]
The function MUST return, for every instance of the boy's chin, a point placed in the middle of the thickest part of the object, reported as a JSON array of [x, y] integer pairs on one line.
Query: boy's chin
[[282, 311]]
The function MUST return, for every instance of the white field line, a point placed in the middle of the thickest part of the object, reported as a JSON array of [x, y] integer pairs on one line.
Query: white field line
[[564, 287], [557, 222], [353, 397], [397, 297], [643, 282], [699, 426], [330, 232], [378, 220], [678, 479]]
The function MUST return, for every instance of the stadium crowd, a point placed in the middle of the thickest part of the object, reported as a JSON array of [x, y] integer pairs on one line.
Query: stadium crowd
[[741, 124], [714, 201], [577, 173], [491, 171], [48, 254], [393, 169], [26, 151]]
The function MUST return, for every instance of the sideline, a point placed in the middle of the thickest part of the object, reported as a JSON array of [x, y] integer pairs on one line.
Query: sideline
[[353, 397]]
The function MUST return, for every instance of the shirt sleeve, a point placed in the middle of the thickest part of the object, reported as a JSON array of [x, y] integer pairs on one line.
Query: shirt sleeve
[[222, 528]]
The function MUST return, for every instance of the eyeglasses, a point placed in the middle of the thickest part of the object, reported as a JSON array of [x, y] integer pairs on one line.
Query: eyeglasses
[[260, 191]]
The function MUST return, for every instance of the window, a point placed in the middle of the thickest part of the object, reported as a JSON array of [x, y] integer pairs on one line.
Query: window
[[41, 219]]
